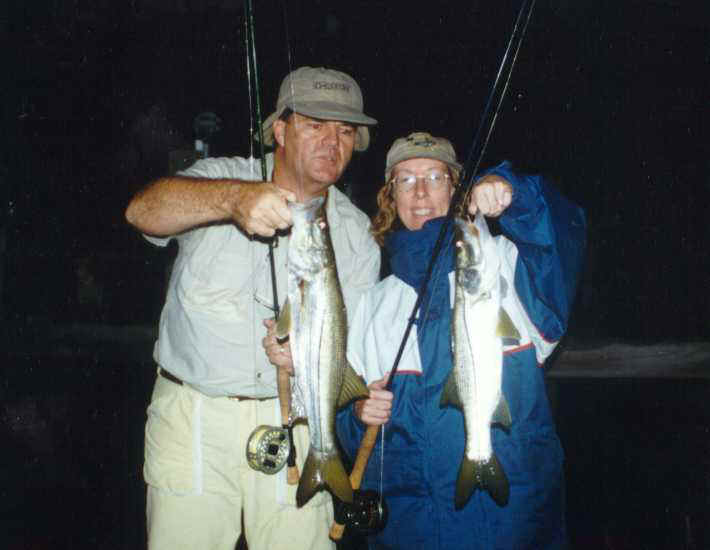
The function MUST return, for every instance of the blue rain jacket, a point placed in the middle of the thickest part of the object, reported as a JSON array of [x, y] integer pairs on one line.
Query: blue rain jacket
[[543, 245]]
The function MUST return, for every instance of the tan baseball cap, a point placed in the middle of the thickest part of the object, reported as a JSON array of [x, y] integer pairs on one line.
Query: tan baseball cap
[[322, 93], [421, 145]]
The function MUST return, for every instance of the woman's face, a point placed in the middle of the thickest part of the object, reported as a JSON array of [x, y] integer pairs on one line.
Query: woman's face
[[422, 191]]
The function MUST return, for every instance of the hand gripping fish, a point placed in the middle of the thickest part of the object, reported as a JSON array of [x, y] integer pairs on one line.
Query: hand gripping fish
[[314, 319], [478, 326]]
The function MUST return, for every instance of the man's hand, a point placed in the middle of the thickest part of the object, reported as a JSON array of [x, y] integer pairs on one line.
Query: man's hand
[[491, 195], [279, 354], [376, 409], [171, 205], [261, 208]]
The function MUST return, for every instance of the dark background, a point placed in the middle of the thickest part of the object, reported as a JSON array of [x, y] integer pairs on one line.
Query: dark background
[[608, 99]]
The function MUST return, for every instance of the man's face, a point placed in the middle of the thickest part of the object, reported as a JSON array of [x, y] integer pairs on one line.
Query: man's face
[[314, 152]]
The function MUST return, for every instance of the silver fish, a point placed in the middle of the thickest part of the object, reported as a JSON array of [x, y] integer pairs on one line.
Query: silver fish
[[478, 326], [314, 319]]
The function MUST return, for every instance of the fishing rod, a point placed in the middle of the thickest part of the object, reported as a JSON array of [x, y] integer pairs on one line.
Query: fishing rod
[[468, 175], [473, 161], [266, 447]]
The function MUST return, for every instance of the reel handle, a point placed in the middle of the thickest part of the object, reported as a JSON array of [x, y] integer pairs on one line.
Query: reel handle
[[283, 385], [363, 456]]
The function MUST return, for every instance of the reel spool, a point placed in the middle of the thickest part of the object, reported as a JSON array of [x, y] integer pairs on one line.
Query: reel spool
[[267, 449], [367, 514]]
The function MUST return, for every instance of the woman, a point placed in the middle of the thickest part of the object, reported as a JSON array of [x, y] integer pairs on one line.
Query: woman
[[540, 254]]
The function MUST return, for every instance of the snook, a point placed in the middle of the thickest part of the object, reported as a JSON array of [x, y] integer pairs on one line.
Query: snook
[[314, 319], [478, 326]]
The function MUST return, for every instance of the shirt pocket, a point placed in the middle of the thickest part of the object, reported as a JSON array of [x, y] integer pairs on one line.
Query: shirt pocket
[[216, 274]]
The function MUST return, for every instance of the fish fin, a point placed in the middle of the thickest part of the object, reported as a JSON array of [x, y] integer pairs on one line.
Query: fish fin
[[450, 394], [283, 323], [502, 413], [320, 472], [353, 388], [485, 475], [311, 480], [337, 480], [506, 329]]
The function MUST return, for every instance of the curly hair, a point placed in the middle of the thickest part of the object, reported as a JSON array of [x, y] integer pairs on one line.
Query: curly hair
[[386, 219], [386, 213]]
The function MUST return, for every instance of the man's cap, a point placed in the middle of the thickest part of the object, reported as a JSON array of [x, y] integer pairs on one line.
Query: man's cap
[[421, 145], [325, 94]]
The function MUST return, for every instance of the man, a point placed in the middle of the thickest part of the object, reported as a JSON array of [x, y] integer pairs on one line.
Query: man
[[215, 384]]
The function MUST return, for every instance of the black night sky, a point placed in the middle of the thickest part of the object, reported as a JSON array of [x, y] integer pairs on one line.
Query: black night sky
[[609, 99]]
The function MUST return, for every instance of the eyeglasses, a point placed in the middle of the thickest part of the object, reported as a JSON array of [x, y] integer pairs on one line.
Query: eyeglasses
[[434, 179]]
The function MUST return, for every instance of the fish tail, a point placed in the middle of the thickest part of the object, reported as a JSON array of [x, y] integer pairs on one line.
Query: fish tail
[[486, 475], [321, 471]]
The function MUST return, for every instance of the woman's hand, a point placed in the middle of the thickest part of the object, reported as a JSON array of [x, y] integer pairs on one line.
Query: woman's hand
[[376, 409], [491, 195]]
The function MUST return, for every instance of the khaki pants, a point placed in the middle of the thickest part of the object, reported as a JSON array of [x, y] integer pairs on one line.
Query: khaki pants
[[199, 481]]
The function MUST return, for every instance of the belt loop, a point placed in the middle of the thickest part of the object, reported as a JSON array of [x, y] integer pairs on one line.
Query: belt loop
[[168, 376]]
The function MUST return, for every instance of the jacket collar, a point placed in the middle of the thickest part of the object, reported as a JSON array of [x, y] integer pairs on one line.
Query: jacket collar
[[410, 251]]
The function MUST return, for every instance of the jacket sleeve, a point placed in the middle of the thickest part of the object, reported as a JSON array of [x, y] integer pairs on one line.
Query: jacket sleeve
[[549, 232]]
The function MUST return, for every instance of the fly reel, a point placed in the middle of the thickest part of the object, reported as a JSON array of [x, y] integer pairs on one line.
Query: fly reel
[[268, 449], [366, 515]]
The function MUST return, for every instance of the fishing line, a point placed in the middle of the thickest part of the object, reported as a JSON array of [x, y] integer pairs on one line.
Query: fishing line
[[249, 89], [293, 103], [469, 167], [468, 173], [252, 83], [299, 175], [424, 318], [252, 261], [288, 41], [473, 161], [282, 381]]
